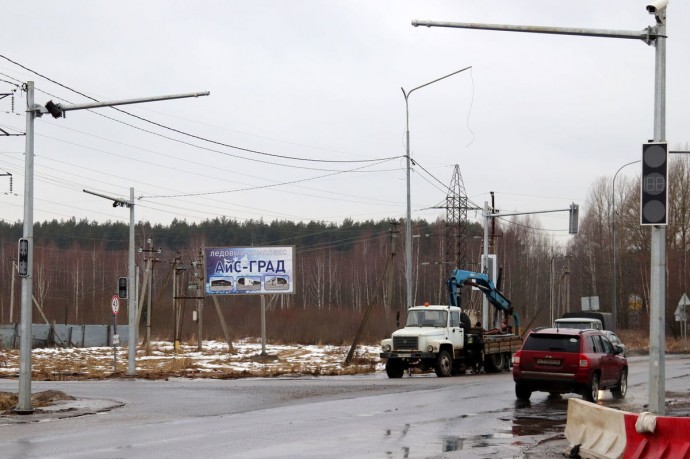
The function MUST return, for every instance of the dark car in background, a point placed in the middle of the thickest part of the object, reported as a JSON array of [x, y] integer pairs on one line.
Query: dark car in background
[[616, 341], [566, 360]]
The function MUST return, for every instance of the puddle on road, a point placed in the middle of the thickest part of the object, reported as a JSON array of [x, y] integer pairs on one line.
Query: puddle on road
[[507, 435], [455, 443], [526, 424], [529, 425]]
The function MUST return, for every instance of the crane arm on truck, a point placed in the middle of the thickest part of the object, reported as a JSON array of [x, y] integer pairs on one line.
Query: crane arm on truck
[[460, 277]]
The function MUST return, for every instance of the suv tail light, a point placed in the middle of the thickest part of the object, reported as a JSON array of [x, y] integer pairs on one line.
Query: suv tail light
[[584, 361], [516, 358]]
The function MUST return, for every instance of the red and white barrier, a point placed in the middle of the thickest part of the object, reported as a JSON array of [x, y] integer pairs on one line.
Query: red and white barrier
[[603, 432], [669, 439]]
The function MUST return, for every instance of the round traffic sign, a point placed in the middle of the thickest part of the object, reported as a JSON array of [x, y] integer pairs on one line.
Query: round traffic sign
[[115, 304]]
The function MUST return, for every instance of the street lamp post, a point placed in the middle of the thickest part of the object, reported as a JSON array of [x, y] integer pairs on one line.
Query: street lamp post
[[614, 293], [32, 112], [408, 223]]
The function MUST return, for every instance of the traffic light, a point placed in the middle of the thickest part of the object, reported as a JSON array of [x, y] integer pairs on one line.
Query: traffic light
[[654, 193], [122, 288], [23, 257], [573, 220]]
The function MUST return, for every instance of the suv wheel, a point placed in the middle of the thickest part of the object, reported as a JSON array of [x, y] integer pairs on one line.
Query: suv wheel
[[621, 388], [394, 368], [592, 392], [444, 364], [522, 392]]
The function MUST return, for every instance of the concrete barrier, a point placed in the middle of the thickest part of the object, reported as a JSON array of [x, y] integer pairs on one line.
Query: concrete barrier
[[669, 440], [603, 432], [600, 431]]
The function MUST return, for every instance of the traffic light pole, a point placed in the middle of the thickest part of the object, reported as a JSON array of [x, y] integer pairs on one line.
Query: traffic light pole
[[57, 110], [24, 394], [133, 332], [651, 35], [657, 288]]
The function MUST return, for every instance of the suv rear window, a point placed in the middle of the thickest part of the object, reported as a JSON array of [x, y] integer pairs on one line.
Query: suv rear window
[[562, 343]]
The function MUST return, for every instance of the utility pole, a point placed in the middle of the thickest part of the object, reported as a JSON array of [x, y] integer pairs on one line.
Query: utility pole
[[177, 270], [198, 267], [393, 231], [148, 277]]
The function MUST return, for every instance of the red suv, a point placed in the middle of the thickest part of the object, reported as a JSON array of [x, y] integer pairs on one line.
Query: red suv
[[564, 360]]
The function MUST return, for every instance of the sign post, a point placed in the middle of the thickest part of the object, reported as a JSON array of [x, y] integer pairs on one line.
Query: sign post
[[115, 305]]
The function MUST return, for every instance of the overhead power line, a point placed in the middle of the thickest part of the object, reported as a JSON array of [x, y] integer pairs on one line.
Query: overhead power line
[[188, 134]]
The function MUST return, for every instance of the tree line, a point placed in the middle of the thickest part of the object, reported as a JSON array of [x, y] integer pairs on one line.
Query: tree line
[[339, 268]]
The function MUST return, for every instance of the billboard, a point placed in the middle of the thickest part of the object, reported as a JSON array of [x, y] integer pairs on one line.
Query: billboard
[[249, 270]]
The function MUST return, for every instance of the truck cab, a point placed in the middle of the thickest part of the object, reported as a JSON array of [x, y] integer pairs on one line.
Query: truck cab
[[432, 336]]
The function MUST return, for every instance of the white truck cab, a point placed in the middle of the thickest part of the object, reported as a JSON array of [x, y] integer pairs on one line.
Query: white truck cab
[[428, 330]]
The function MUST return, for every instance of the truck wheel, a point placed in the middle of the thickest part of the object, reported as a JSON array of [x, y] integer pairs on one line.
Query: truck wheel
[[508, 361], [444, 364], [522, 392], [495, 363], [394, 368]]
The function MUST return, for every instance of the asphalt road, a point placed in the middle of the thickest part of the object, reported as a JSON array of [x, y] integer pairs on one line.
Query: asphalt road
[[353, 416]]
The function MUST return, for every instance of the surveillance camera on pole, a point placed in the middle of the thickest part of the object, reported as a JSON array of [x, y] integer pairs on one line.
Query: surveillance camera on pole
[[657, 6]]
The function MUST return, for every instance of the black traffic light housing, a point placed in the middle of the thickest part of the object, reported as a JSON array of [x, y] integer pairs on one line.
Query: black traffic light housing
[[573, 218], [54, 109], [654, 185], [23, 257], [122, 288]]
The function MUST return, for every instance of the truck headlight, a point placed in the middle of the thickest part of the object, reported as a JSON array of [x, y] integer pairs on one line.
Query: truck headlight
[[387, 348], [430, 348]]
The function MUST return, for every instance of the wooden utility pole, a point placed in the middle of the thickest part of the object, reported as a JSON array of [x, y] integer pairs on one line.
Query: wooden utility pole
[[148, 284], [198, 266], [377, 292], [177, 270]]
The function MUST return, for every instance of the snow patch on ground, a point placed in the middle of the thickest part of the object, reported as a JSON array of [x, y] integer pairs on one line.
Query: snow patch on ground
[[247, 358]]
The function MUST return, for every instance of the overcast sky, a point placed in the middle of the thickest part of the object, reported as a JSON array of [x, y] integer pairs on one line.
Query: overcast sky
[[310, 92]]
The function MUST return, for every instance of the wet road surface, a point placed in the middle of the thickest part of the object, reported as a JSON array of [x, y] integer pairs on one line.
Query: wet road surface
[[353, 416]]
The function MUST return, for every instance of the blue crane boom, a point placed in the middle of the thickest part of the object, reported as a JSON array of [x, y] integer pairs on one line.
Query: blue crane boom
[[460, 277]]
